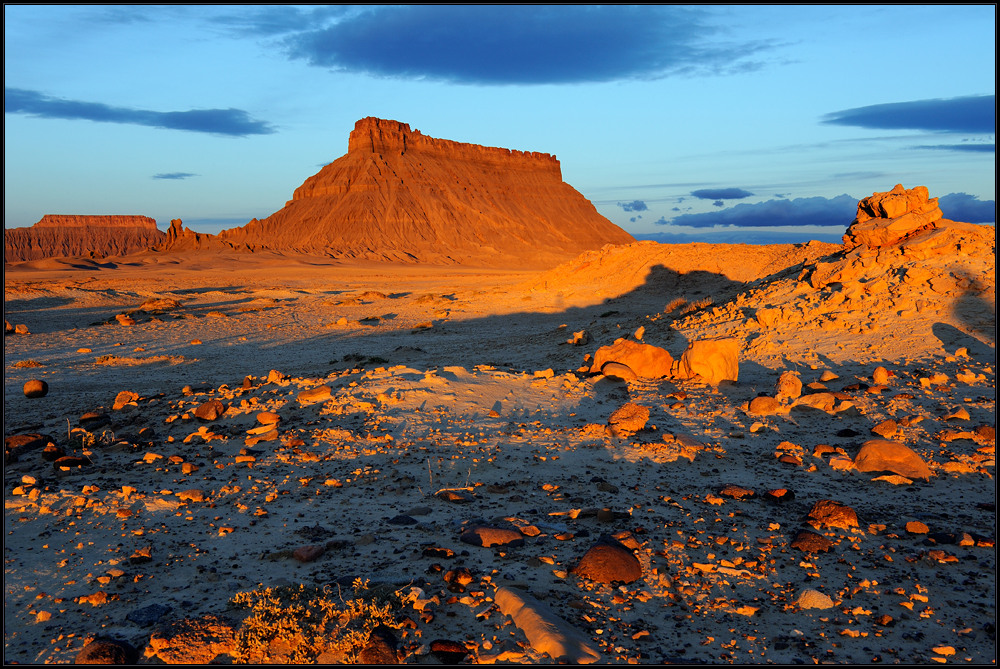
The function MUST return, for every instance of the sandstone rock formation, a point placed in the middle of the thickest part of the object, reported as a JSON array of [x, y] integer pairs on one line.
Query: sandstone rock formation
[[401, 196], [93, 236], [180, 239], [886, 219]]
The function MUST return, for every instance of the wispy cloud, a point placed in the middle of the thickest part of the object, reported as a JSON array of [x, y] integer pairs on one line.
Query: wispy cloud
[[520, 44], [968, 114], [816, 211], [174, 175], [228, 122], [974, 148]]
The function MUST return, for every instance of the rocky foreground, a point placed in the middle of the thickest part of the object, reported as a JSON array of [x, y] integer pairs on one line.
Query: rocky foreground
[[350, 464]]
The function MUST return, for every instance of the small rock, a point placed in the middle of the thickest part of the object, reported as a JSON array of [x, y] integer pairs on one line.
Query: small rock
[[148, 615], [317, 394], [916, 527], [736, 492], [449, 652], [764, 405], [309, 553], [35, 388], [107, 650], [581, 338], [21, 329], [788, 385], [124, 398], [833, 514], [455, 496], [609, 562], [487, 536], [618, 370], [209, 411], [886, 429], [810, 542], [628, 419], [814, 599], [381, 647], [880, 376], [93, 420], [714, 360]]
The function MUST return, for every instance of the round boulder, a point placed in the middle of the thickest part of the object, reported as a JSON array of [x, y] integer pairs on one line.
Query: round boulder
[[105, 650], [35, 388], [881, 455], [608, 562]]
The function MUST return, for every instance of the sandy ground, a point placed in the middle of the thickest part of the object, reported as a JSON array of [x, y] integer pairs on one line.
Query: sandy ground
[[462, 380]]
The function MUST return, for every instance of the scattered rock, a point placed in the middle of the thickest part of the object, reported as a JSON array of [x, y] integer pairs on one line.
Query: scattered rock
[[209, 411], [645, 360], [545, 631], [617, 370], [764, 406], [814, 599], [714, 360], [94, 420], [736, 492], [581, 338], [107, 650], [810, 542], [381, 647], [148, 615], [124, 398], [880, 455], [886, 429], [829, 513], [309, 553], [317, 394], [789, 385], [628, 419], [607, 561], [916, 527], [487, 536], [17, 445], [35, 388], [449, 652], [192, 641], [880, 376]]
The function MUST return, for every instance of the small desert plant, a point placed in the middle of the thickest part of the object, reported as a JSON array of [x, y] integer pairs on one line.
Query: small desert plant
[[300, 623], [674, 304], [695, 306]]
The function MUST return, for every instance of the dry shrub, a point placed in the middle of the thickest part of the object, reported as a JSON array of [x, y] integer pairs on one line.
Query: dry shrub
[[695, 306], [298, 624], [675, 304]]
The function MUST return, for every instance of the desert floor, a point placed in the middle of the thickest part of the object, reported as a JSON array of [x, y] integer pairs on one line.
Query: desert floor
[[454, 401]]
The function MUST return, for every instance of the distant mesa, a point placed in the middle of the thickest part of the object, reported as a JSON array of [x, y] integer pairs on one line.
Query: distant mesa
[[58, 235], [401, 196]]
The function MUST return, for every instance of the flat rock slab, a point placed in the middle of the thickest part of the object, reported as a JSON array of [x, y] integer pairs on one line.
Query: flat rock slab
[[487, 536]]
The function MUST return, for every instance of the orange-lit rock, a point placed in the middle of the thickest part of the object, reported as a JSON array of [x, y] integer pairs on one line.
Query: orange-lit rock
[[645, 360]]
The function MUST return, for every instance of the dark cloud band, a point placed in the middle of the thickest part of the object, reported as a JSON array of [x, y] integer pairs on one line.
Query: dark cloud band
[[229, 122], [721, 193], [777, 213], [522, 44], [969, 114]]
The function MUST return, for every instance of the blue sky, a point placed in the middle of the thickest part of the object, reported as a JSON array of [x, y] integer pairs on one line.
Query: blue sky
[[702, 123]]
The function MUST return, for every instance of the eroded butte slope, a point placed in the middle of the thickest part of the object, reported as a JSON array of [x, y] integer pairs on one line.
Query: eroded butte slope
[[401, 196]]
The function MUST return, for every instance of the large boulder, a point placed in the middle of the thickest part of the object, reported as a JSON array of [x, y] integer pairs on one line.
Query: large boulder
[[714, 360], [888, 218], [645, 360], [881, 455]]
